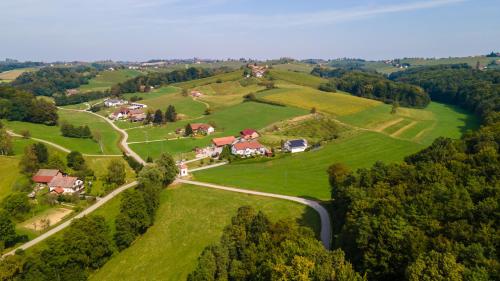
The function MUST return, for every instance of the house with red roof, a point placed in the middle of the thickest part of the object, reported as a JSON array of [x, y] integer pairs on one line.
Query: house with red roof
[[136, 115], [248, 148], [219, 143], [119, 114], [44, 176], [201, 128], [249, 134]]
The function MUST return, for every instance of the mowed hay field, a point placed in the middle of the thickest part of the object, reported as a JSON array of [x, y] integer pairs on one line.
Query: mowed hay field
[[105, 79], [189, 219], [226, 94], [10, 75], [418, 125], [230, 76], [298, 78], [304, 174], [336, 104]]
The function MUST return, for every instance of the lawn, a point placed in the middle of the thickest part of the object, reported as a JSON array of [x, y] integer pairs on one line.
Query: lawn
[[298, 78], [336, 104], [304, 174], [87, 146], [104, 80], [225, 94], [294, 66], [189, 219], [100, 167]]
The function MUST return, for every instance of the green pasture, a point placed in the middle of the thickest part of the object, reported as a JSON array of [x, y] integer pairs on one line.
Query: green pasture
[[230, 76], [294, 66], [304, 174], [189, 219], [298, 78], [336, 104], [105, 79], [225, 94]]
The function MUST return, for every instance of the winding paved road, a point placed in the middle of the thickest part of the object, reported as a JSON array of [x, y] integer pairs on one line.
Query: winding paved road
[[123, 142], [323, 213], [65, 224]]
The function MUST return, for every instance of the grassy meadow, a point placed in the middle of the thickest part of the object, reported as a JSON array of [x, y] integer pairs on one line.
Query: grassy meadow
[[105, 79], [230, 76], [189, 219], [297, 78]]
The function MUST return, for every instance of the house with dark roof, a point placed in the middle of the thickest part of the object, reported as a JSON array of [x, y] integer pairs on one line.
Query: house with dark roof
[[294, 146]]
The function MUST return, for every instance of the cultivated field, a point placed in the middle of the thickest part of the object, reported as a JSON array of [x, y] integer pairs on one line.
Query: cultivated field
[[10, 75], [298, 78], [189, 219]]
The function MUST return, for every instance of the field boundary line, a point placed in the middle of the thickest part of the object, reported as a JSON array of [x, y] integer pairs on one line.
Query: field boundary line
[[402, 130]]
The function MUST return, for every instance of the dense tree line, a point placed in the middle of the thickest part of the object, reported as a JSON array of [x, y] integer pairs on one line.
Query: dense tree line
[[460, 84], [52, 80], [373, 86], [162, 78], [13, 64], [254, 248], [61, 99], [435, 216], [71, 131], [17, 105]]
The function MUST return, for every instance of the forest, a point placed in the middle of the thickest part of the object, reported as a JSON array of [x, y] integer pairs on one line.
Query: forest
[[254, 248], [436, 215], [373, 86], [459, 84], [49, 81], [18, 105]]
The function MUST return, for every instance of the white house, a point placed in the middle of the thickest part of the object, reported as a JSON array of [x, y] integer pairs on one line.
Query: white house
[[135, 105], [114, 102], [200, 128], [183, 170], [65, 185], [293, 146], [248, 148]]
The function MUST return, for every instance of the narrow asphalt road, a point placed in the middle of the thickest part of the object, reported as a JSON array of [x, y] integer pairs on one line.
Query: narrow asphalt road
[[323, 213], [65, 224], [123, 142]]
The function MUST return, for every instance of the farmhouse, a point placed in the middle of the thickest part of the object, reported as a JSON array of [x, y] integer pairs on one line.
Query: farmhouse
[[114, 102], [135, 105], [119, 114], [219, 143], [201, 128], [196, 94], [293, 146], [249, 134], [65, 184], [136, 115], [258, 71], [71, 92], [183, 170], [44, 176], [248, 148]]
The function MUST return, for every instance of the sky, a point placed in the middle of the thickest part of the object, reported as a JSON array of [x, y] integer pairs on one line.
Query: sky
[[138, 30]]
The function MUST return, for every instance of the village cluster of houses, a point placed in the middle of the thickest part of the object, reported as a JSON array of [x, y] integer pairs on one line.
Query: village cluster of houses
[[57, 182], [247, 144], [127, 111]]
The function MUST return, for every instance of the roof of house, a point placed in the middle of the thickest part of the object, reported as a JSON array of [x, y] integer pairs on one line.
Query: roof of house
[[297, 143], [183, 166], [223, 141], [248, 132], [197, 126], [45, 175], [247, 145], [63, 181], [122, 110], [135, 112], [58, 190], [114, 101]]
